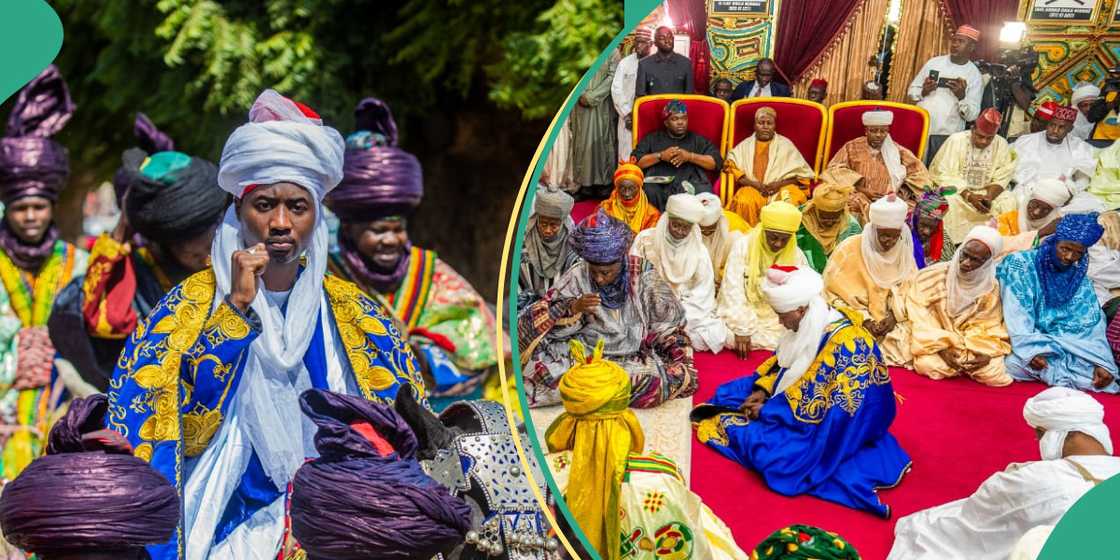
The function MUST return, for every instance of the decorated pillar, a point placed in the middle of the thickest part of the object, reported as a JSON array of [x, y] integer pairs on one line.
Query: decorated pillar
[[740, 32]]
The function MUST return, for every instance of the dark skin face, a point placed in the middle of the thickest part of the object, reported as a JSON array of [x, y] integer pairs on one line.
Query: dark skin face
[[642, 46], [876, 135], [792, 319], [604, 274], [1057, 130], [828, 219], [961, 48], [679, 229], [627, 189], [1037, 209], [547, 227], [709, 230], [817, 94], [723, 90], [777, 240], [193, 254], [888, 237], [383, 242], [765, 73], [282, 216], [981, 140], [1037, 124], [29, 218], [1084, 105], [677, 124], [663, 39], [764, 126], [927, 226], [1068, 252], [973, 255]]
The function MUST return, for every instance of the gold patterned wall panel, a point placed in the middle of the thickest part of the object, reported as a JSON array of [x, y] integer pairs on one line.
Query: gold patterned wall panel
[[738, 41], [1075, 41]]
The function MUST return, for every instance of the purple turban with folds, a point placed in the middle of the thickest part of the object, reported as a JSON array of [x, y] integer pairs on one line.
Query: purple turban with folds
[[379, 179], [366, 495], [89, 493], [601, 239], [31, 163]]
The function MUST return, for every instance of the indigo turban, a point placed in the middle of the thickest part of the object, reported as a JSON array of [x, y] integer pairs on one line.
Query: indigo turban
[[601, 239]]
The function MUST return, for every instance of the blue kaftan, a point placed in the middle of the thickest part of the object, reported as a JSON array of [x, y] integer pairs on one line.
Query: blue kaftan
[[826, 435], [1071, 336]]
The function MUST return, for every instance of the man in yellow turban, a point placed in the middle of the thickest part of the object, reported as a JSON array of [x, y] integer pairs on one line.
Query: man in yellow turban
[[767, 167], [825, 222], [741, 306], [628, 202], [597, 459]]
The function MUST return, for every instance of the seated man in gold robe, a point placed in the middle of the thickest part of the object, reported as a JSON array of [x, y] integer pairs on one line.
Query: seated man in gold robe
[[956, 317], [766, 167], [979, 164], [825, 222], [875, 165], [871, 273]]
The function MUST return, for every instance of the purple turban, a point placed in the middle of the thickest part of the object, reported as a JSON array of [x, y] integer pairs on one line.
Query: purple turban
[[601, 239], [379, 178], [89, 493], [366, 495], [31, 163]]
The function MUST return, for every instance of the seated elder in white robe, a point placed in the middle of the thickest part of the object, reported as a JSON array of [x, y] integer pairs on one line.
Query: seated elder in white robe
[[1055, 153], [1076, 456], [675, 249]]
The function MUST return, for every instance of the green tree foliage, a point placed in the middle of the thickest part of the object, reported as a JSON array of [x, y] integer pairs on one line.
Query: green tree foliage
[[194, 66]]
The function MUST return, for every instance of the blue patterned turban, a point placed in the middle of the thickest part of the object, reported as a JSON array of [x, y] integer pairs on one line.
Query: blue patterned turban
[[601, 239], [1060, 282], [674, 106], [1081, 228]]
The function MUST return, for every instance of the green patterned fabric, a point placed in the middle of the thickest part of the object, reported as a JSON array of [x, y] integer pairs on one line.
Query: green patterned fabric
[[802, 542]]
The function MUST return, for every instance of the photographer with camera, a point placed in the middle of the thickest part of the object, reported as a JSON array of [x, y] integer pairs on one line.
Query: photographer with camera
[[1105, 112], [949, 87], [1009, 89]]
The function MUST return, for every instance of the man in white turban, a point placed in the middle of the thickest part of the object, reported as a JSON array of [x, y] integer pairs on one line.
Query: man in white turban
[[676, 250], [871, 274], [1076, 456], [213, 378], [875, 165], [956, 318], [718, 232], [792, 422], [1039, 206], [1082, 99]]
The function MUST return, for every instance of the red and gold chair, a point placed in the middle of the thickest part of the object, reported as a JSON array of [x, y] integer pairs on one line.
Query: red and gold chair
[[804, 122], [845, 123], [707, 116]]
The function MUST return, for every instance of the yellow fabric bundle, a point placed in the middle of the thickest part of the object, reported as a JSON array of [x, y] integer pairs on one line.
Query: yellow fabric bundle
[[601, 431]]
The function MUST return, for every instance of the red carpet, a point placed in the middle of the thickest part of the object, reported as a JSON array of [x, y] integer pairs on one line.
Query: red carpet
[[957, 433], [583, 209]]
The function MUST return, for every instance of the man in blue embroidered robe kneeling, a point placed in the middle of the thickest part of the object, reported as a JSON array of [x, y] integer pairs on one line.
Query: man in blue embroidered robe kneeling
[[207, 388], [813, 418]]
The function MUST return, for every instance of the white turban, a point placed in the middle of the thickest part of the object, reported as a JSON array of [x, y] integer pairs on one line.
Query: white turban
[[1031, 543], [1054, 192], [878, 118], [889, 212], [1083, 92], [1059, 411], [965, 288], [686, 207], [713, 209], [281, 143], [988, 236], [786, 291]]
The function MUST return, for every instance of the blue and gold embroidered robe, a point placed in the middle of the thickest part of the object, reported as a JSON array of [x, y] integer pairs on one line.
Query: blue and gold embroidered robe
[[826, 435], [179, 371]]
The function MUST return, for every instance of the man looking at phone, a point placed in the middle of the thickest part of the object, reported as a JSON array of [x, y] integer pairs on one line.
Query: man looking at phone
[[950, 88], [979, 164]]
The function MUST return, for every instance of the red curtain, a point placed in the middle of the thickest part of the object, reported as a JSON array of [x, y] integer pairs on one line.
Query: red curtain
[[691, 16], [805, 29], [987, 16]]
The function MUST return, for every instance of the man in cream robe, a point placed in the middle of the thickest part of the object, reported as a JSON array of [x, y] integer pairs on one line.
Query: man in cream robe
[[1077, 455], [1039, 208], [978, 163], [766, 167], [875, 165], [1054, 153], [956, 317], [1106, 181], [871, 272], [1104, 263], [718, 232], [623, 88], [675, 249], [741, 305]]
